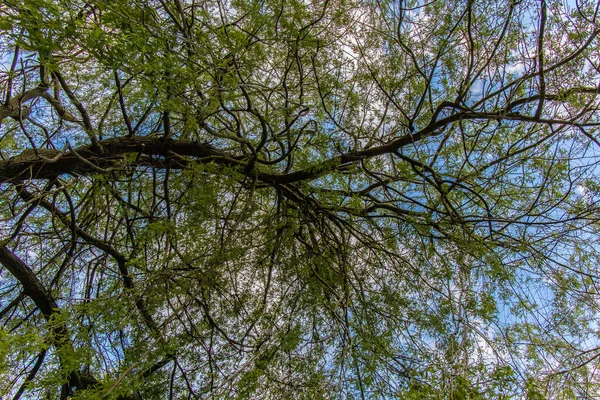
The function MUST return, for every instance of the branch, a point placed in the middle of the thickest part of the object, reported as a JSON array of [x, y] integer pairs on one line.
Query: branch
[[44, 301], [105, 247], [14, 106], [169, 153], [32, 287]]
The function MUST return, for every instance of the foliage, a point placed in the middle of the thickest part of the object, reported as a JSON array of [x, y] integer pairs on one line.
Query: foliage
[[299, 199]]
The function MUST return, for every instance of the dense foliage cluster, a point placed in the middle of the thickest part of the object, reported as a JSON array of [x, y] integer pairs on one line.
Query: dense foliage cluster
[[299, 199]]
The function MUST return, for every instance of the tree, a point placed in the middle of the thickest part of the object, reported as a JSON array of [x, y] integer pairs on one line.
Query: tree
[[308, 199]]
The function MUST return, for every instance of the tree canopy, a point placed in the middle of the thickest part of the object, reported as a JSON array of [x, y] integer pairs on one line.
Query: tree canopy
[[307, 199]]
